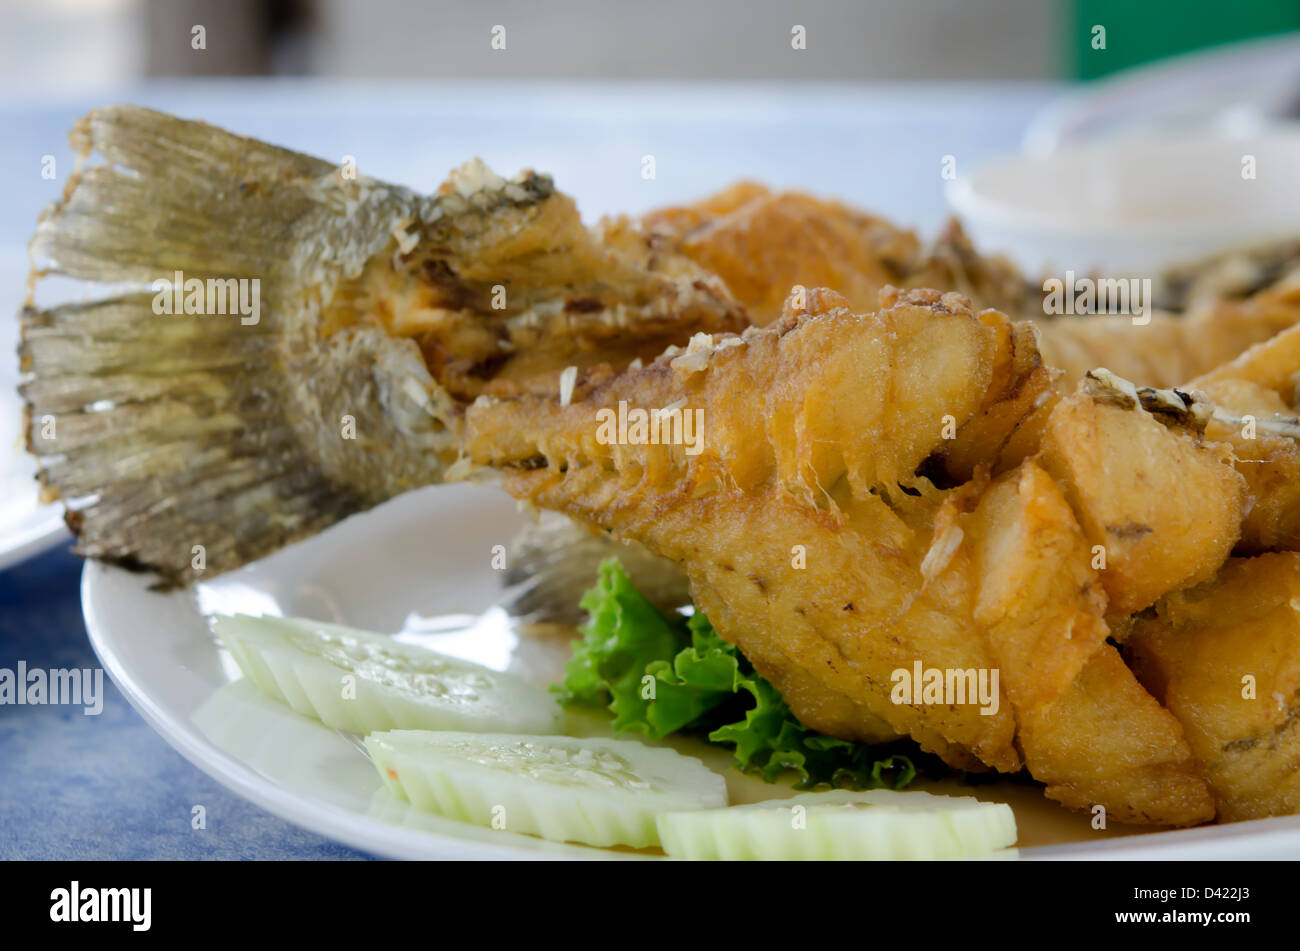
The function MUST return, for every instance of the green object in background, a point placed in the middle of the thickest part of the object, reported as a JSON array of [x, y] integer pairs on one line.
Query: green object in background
[[1139, 31]]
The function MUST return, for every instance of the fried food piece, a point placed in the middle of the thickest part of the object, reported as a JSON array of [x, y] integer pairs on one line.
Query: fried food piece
[[810, 428], [762, 243], [1256, 391], [1009, 430], [844, 625], [953, 264], [1006, 428], [842, 404], [1106, 741], [1163, 507], [1269, 463], [1041, 605], [1039, 599], [1172, 348], [1224, 658], [801, 548], [1240, 422], [1161, 503]]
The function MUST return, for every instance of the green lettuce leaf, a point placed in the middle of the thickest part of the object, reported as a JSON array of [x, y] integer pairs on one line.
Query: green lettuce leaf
[[661, 675]]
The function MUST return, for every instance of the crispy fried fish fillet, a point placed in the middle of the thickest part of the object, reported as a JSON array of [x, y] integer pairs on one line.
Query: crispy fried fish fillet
[[1085, 727], [1256, 397], [1235, 416], [1162, 506], [812, 433], [761, 243], [1006, 430], [1224, 657], [813, 430], [1107, 742], [1038, 596], [1242, 414]]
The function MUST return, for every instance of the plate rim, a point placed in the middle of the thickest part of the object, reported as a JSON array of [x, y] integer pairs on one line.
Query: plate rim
[[333, 822], [38, 533]]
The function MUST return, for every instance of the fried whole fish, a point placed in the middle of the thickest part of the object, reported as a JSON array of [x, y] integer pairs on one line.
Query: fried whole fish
[[869, 489]]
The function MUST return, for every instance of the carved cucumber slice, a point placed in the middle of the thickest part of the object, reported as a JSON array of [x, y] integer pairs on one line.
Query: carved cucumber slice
[[598, 791], [365, 682], [880, 824]]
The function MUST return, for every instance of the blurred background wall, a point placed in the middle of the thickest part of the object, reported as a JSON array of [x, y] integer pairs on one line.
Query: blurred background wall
[[81, 44]]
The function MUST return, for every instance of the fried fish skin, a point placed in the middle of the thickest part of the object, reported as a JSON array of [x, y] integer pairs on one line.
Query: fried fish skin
[[1224, 657], [811, 426]]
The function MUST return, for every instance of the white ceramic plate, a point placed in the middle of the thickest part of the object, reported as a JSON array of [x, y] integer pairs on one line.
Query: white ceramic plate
[[402, 568], [26, 526]]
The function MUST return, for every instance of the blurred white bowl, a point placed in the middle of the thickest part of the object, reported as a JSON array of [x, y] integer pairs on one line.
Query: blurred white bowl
[[1131, 206], [1235, 89]]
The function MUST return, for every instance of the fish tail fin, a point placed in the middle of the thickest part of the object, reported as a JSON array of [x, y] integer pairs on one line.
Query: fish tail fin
[[191, 417]]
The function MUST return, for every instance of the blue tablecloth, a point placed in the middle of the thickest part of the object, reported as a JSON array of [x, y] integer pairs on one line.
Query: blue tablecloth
[[107, 787]]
